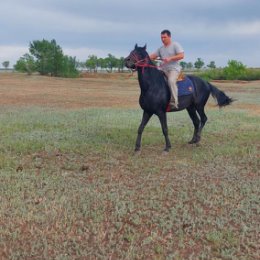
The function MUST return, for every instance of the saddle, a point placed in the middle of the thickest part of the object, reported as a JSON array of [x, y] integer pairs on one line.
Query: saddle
[[185, 85], [185, 88]]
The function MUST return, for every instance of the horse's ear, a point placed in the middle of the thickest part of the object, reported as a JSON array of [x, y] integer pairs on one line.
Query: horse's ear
[[136, 46], [145, 46]]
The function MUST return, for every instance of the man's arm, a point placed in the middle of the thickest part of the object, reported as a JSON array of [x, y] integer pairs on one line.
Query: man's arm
[[177, 57]]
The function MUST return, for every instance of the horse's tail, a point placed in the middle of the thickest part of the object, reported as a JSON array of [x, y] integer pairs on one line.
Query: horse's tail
[[220, 96]]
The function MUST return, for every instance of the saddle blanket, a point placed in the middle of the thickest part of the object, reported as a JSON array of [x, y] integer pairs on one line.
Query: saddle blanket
[[185, 87]]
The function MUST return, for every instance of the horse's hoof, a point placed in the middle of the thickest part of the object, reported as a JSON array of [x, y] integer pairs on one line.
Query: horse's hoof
[[166, 149], [137, 152], [194, 141], [197, 143], [165, 152]]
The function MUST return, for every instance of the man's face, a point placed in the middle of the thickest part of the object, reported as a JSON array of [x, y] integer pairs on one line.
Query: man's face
[[165, 39]]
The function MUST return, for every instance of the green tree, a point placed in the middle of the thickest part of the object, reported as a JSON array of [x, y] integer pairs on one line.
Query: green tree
[[69, 67], [189, 65], [6, 64], [212, 65], [92, 63], [234, 70], [26, 64], [183, 65], [102, 63], [111, 62], [120, 64], [49, 57], [199, 63]]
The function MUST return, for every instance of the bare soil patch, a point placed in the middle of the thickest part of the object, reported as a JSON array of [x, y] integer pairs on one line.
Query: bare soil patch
[[94, 90]]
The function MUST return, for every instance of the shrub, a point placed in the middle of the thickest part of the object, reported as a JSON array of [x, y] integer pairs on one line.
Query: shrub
[[26, 64], [235, 70]]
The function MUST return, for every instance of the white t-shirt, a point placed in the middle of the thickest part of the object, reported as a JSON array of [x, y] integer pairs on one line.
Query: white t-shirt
[[164, 52]]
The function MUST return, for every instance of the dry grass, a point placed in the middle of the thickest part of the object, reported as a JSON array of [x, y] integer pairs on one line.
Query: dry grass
[[116, 90], [68, 93], [73, 189]]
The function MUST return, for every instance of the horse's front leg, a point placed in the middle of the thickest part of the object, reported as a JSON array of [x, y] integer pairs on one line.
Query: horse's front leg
[[145, 119], [163, 119]]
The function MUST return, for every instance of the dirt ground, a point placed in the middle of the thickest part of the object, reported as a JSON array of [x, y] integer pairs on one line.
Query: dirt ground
[[100, 90]]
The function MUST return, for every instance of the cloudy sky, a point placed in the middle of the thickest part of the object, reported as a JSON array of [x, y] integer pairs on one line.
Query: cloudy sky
[[217, 30]]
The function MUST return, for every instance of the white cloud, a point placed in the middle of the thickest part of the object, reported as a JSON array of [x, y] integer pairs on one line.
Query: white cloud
[[219, 30], [53, 20], [100, 27], [251, 28]]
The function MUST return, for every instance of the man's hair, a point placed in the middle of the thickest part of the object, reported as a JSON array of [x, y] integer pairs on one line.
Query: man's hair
[[166, 32]]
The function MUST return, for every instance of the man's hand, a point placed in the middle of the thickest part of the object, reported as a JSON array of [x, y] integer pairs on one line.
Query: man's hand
[[166, 60]]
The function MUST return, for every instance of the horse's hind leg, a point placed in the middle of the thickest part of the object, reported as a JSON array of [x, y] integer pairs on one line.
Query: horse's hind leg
[[163, 121], [203, 117], [196, 122], [145, 119]]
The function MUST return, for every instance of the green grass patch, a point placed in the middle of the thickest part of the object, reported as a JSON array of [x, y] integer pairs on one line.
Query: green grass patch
[[72, 188], [221, 74]]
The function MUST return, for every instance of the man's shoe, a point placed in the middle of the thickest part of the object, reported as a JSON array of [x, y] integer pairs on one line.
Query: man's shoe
[[173, 105]]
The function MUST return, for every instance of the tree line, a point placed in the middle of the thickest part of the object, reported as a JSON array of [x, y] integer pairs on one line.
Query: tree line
[[47, 58], [109, 64]]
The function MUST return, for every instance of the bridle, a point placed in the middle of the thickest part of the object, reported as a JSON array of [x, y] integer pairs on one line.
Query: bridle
[[142, 63]]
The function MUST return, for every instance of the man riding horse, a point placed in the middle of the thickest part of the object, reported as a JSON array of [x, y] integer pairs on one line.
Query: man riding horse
[[155, 96], [170, 53]]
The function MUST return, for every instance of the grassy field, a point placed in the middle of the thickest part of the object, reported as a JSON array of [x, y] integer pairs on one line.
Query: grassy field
[[72, 187]]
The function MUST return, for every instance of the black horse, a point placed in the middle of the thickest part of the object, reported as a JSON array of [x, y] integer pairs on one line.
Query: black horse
[[155, 96]]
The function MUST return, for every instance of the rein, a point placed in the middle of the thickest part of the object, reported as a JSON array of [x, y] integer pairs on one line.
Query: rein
[[146, 65], [142, 63]]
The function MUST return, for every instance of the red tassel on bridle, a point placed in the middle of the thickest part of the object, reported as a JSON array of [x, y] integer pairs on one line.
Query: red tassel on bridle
[[144, 63]]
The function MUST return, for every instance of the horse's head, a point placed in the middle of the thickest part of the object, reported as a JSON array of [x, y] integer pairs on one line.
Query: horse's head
[[136, 56]]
